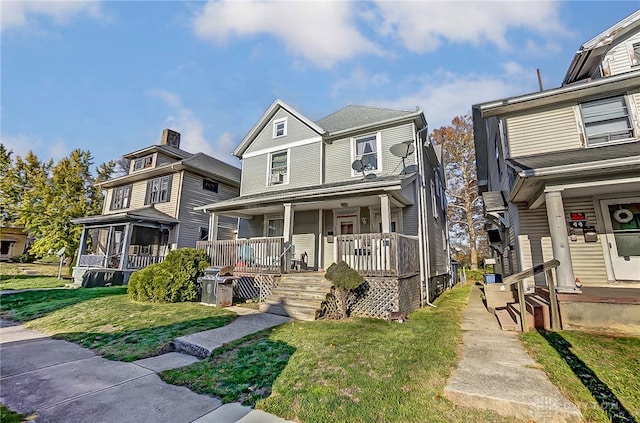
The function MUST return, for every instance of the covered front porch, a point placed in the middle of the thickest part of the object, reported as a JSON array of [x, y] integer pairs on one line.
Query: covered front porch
[[119, 244]]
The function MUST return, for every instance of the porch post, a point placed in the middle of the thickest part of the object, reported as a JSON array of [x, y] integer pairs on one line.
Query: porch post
[[385, 213], [124, 257], [213, 227], [83, 242], [108, 251], [288, 234], [560, 241]]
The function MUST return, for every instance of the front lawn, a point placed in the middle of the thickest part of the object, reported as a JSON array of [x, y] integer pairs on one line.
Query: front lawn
[[105, 320], [15, 276], [598, 373], [360, 370]]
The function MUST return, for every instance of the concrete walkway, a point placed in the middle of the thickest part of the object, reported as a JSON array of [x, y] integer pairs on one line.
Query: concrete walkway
[[59, 381], [496, 373]]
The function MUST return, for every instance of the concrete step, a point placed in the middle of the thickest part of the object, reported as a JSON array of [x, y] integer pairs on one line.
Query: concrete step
[[294, 302], [514, 310], [541, 308], [296, 293], [506, 320], [298, 313]]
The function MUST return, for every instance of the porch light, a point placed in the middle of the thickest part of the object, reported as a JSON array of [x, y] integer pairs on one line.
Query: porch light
[[343, 205]]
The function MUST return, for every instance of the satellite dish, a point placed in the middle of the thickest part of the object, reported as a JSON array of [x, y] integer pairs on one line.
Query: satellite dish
[[402, 150], [370, 176], [411, 169], [357, 166], [365, 161], [60, 252]]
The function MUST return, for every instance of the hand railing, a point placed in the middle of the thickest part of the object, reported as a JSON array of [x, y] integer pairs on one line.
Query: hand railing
[[518, 278]]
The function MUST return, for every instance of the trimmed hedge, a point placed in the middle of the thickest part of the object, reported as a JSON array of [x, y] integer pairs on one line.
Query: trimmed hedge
[[174, 280]]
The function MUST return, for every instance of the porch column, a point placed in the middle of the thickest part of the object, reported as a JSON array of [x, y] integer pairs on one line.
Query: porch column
[[213, 227], [124, 258], [288, 234], [83, 242], [108, 251], [385, 213], [560, 242]]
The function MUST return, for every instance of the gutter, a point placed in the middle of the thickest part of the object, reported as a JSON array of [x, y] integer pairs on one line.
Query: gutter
[[344, 132], [581, 167]]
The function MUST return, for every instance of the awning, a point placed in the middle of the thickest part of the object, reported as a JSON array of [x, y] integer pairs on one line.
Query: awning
[[147, 214]]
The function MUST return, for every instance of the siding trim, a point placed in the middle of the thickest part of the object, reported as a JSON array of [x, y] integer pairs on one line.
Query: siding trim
[[283, 147]]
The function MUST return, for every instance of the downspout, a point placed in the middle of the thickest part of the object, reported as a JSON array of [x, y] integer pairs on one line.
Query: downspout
[[423, 240]]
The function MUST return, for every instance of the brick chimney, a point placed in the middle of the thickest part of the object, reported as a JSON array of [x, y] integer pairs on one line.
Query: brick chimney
[[170, 137]]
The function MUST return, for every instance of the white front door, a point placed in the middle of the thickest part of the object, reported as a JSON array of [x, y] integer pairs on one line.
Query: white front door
[[622, 228]]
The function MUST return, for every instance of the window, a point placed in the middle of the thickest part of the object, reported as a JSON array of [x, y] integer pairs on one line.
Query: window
[[278, 168], [121, 197], [279, 128], [275, 227], [635, 54], [434, 202], [158, 190], [366, 150], [208, 185], [204, 233], [606, 121], [143, 162]]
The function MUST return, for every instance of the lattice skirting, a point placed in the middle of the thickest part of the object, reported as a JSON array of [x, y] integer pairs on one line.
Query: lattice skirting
[[377, 296], [253, 286]]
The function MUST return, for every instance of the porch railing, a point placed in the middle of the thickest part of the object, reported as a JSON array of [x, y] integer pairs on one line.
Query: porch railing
[[255, 255], [140, 262], [113, 262], [387, 254], [92, 260]]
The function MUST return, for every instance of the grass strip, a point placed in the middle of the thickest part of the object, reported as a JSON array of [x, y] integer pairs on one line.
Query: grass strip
[[599, 373], [357, 370], [107, 321]]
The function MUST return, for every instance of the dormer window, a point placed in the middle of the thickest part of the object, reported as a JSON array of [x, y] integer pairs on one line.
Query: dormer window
[[279, 128], [635, 54], [143, 162], [606, 121], [279, 168]]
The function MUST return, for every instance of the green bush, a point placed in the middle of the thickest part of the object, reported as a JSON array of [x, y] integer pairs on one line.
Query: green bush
[[174, 280], [345, 280], [25, 258], [474, 275]]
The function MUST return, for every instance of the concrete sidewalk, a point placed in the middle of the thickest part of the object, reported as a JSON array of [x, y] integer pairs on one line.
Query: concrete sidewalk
[[59, 381], [496, 373]]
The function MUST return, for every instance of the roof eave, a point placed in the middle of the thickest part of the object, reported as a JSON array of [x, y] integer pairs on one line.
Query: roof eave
[[345, 132]]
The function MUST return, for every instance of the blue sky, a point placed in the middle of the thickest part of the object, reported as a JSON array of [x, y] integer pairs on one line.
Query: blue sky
[[109, 76]]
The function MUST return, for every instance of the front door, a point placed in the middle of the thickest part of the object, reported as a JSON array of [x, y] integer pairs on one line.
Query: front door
[[622, 228]]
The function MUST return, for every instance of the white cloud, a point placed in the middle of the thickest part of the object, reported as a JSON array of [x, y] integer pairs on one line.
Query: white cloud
[[321, 32], [192, 130], [21, 144], [25, 14], [359, 80], [445, 96], [423, 26]]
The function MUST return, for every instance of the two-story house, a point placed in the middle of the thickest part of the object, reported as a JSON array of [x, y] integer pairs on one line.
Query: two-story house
[[559, 169], [363, 185], [150, 210]]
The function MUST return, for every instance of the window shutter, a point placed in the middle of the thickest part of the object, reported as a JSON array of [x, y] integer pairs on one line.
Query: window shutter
[[147, 197], [170, 178]]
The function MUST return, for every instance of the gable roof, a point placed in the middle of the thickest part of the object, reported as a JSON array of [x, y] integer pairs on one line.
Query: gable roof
[[166, 149], [266, 118], [353, 117], [589, 56], [211, 165]]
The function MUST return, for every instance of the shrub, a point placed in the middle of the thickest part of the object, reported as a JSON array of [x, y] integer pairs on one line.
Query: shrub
[[174, 280], [345, 280], [474, 275], [25, 258]]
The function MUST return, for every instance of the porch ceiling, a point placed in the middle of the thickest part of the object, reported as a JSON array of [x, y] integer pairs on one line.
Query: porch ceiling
[[146, 214]]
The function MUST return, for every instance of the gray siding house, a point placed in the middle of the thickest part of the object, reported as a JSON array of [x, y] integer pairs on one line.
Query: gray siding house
[[151, 210], [363, 185], [559, 171]]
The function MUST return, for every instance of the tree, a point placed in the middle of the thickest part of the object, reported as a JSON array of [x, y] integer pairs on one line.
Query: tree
[[345, 280], [465, 209], [68, 193]]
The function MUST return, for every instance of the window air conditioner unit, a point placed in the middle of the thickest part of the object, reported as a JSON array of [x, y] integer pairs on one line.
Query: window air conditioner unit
[[277, 178]]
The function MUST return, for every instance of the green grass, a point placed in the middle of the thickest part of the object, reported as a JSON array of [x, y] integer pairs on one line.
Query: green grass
[[599, 373], [359, 370], [13, 277], [105, 320], [9, 416]]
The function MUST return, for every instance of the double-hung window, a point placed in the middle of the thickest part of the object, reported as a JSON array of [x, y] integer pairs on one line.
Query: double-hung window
[[275, 226], [158, 190], [121, 197], [143, 162], [367, 151], [279, 167], [606, 121]]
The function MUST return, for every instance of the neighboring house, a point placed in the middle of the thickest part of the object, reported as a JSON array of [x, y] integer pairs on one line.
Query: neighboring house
[[150, 211], [363, 185], [559, 170], [13, 241]]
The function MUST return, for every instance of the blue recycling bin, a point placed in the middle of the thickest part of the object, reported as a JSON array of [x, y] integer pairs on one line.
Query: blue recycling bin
[[492, 278]]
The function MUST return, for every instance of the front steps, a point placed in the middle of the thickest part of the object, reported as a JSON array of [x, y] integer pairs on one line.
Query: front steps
[[298, 295], [538, 314]]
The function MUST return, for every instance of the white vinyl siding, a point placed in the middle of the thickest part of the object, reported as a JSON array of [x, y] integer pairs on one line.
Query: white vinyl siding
[[620, 58], [161, 159], [543, 132]]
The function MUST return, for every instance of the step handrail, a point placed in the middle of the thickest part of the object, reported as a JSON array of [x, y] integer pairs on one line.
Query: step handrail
[[518, 278]]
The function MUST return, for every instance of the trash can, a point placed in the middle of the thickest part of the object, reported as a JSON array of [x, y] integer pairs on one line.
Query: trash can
[[492, 278], [225, 293]]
